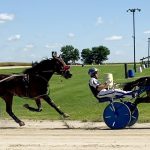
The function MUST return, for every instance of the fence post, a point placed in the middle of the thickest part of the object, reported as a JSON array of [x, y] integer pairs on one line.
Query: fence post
[[125, 69]]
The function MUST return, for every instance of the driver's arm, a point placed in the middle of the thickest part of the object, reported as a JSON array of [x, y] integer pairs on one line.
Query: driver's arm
[[102, 86]]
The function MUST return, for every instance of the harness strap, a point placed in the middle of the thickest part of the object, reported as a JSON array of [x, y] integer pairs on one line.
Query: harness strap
[[48, 71], [10, 77], [26, 82], [42, 77]]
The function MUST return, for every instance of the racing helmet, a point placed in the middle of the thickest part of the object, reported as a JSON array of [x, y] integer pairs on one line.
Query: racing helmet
[[92, 71]]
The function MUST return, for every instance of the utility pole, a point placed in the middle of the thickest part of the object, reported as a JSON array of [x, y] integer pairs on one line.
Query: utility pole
[[148, 51], [133, 13]]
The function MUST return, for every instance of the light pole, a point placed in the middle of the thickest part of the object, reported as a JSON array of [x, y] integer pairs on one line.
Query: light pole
[[148, 51], [133, 12]]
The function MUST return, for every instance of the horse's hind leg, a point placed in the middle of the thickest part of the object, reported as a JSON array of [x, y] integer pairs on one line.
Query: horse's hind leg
[[142, 100], [51, 103], [38, 103], [8, 100], [145, 99]]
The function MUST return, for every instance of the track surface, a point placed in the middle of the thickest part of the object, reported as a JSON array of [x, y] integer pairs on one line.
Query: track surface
[[71, 135]]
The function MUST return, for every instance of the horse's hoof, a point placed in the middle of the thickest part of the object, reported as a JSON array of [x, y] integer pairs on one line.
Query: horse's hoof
[[21, 123], [26, 106], [39, 110], [65, 115]]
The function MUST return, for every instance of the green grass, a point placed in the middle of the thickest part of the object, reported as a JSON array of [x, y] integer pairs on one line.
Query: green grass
[[74, 96]]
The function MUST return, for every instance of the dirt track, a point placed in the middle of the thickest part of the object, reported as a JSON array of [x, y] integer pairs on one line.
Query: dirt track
[[72, 135]]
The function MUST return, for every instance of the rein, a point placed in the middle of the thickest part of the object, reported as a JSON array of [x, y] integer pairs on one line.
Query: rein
[[38, 75], [48, 71], [11, 77]]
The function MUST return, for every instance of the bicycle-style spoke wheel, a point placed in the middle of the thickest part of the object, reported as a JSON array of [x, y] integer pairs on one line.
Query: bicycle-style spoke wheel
[[134, 113], [117, 115]]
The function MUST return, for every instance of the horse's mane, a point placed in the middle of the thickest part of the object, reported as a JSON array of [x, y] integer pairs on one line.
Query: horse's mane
[[37, 66]]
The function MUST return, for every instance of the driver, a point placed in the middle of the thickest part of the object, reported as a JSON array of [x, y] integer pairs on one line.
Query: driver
[[101, 89]]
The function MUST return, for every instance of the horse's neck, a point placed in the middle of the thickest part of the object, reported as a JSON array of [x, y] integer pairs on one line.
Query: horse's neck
[[47, 76], [44, 69]]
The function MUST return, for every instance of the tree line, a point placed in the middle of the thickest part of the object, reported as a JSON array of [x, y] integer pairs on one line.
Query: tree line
[[96, 55]]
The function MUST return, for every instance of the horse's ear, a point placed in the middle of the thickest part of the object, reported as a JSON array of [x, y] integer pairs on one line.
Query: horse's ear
[[54, 54], [60, 56]]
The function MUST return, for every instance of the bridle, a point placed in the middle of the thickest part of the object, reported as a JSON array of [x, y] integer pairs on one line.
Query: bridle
[[65, 68]]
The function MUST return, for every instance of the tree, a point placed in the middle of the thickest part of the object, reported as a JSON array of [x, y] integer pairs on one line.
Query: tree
[[96, 55], [100, 54], [86, 55], [69, 53]]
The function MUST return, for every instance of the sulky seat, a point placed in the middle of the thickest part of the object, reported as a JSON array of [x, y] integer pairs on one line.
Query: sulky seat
[[102, 99]]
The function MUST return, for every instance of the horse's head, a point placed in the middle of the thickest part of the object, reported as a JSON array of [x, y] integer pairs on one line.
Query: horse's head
[[128, 86], [49, 66], [61, 68]]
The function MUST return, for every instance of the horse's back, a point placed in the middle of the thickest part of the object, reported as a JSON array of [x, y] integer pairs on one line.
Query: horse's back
[[2, 76], [142, 81]]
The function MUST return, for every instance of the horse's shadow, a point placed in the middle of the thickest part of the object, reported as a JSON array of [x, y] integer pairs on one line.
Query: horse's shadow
[[6, 128], [75, 128]]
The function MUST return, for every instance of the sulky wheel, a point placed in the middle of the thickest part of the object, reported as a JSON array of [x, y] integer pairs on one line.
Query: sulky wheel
[[134, 113], [117, 115]]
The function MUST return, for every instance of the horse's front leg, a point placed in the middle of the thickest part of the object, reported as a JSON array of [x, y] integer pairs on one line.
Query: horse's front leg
[[8, 100], [51, 103], [38, 103]]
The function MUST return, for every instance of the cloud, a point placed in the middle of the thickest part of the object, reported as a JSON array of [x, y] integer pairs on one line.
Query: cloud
[[99, 21], [53, 45], [71, 35], [33, 56], [4, 17], [113, 38], [28, 47], [14, 37], [118, 53], [147, 32]]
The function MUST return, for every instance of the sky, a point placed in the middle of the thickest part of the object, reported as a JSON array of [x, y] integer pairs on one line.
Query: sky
[[31, 29]]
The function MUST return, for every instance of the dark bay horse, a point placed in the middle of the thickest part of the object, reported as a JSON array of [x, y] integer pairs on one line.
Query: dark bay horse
[[32, 83], [143, 84]]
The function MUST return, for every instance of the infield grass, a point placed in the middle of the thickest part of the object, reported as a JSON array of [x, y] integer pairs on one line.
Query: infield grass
[[74, 96]]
